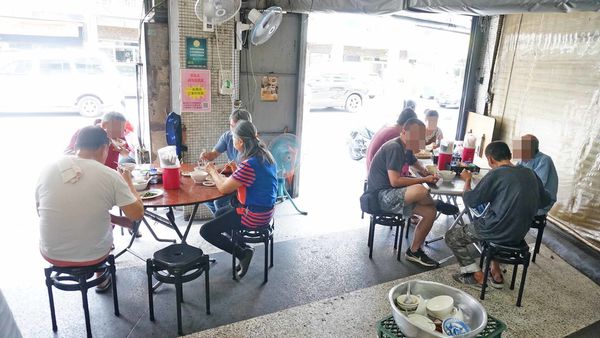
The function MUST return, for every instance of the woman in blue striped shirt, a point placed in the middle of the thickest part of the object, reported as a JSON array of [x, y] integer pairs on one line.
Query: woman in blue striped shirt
[[255, 181]]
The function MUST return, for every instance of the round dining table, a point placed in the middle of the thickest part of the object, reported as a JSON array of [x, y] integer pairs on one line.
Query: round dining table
[[189, 193]]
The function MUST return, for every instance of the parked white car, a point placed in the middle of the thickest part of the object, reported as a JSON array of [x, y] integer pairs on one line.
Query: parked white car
[[40, 81]]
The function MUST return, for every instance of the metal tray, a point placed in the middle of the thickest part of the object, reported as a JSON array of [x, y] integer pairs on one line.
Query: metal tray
[[474, 313]]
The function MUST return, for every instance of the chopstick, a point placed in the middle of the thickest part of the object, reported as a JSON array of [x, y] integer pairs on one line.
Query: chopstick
[[225, 166]]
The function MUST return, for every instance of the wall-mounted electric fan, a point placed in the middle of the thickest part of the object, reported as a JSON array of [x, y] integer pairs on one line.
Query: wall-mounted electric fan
[[215, 12], [286, 151], [262, 27]]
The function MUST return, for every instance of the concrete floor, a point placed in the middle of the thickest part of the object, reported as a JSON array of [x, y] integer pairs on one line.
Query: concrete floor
[[557, 301], [319, 259]]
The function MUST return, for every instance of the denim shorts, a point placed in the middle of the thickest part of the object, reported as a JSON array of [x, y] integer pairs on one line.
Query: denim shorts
[[392, 200]]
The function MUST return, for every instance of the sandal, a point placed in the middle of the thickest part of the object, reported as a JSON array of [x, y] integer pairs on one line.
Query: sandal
[[495, 284]]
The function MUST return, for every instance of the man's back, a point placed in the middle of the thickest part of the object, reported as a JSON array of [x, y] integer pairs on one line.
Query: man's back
[[74, 218], [514, 194]]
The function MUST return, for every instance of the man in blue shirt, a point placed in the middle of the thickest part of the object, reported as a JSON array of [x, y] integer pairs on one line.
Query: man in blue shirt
[[531, 157], [225, 145]]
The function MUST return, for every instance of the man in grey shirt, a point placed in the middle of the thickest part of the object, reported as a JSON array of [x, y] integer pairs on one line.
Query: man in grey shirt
[[514, 194], [399, 193]]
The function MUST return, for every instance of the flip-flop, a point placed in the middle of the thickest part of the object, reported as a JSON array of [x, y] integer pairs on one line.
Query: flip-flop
[[493, 283], [104, 286]]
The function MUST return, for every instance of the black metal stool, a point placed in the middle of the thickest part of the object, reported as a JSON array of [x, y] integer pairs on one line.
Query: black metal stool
[[365, 185], [258, 235], [517, 255], [177, 264], [539, 223], [387, 219], [81, 279]]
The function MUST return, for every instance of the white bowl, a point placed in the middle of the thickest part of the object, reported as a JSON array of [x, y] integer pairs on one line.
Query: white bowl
[[440, 306], [127, 166], [432, 168], [199, 175], [140, 185], [447, 175]]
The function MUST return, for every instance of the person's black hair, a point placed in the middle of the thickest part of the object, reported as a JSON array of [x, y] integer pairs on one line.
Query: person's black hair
[[406, 115], [432, 113], [498, 150], [411, 122], [91, 138]]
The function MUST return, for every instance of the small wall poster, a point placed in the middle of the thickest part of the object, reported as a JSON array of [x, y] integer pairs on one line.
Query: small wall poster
[[269, 88], [195, 90], [195, 53]]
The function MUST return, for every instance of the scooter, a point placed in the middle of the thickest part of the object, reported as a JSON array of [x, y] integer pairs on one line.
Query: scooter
[[358, 141]]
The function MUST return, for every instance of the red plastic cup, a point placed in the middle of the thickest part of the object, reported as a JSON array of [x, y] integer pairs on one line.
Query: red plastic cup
[[444, 161], [170, 178], [468, 154]]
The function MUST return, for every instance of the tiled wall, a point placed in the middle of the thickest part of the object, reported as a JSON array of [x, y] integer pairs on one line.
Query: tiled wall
[[203, 129]]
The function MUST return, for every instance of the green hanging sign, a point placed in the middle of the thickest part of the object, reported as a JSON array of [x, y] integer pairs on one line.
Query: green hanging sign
[[195, 53]]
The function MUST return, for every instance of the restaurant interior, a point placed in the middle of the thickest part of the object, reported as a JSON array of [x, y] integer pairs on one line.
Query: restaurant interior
[[326, 265]]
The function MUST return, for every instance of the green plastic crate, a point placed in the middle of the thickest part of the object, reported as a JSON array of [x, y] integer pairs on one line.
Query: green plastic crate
[[387, 328]]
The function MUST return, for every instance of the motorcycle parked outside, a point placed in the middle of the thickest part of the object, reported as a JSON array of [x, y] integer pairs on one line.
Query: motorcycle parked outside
[[358, 142]]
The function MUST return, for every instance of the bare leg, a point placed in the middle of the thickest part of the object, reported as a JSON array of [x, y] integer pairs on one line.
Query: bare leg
[[424, 207], [496, 272], [427, 214]]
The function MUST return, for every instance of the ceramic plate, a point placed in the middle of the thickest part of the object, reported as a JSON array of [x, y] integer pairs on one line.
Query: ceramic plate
[[208, 183], [152, 193]]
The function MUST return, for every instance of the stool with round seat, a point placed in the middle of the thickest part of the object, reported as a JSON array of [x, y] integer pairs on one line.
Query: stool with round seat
[[177, 264], [255, 235], [513, 255], [81, 278]]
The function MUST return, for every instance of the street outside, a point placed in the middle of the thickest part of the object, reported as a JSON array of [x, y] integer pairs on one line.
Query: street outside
[[329, 178]]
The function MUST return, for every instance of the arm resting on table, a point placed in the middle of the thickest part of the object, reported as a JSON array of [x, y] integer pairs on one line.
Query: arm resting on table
[[398, 181]]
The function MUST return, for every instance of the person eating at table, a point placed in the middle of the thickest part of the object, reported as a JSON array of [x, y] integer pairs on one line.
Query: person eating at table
[[527, 149], [433, 133], [399, 193], [387, 133], [114, 124], [255, 184], [514, 194], [225, 145], [73, 198]]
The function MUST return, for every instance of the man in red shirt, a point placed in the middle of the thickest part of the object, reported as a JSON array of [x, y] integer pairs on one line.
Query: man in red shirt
[[114, 124], [387, 133]]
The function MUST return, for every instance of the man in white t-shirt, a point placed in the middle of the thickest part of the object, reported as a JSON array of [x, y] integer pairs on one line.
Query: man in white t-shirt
[[74, 196]]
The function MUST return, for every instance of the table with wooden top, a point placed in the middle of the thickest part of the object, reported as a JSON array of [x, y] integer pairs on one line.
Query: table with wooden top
[[188, 194]]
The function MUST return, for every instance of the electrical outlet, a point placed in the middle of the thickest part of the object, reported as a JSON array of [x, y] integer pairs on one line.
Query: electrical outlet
[[225, 82], [208, 26]]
